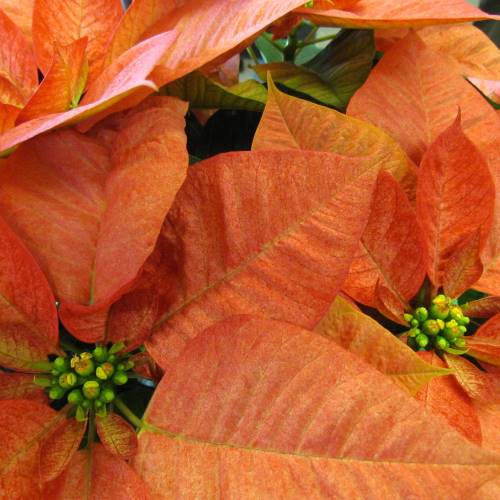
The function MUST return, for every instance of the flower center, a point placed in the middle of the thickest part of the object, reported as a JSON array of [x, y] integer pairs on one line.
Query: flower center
[[88, 380], [440, 327]]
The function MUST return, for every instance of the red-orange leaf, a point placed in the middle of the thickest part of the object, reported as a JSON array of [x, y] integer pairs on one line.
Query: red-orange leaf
[[20, 386], [291, 123], [257, 408], [28, 316], [363, 336], [63, 85], [489, 416], [8, 115], [117, 436], [444, 396], [482, 308], [464, 267], [99, 204], [58, 449], [21, 12], [391, 249], [62, 22], [18, 74], [97, 476], [25, 425], [400, 13], [455, 199], [124, 77], [266, 232]]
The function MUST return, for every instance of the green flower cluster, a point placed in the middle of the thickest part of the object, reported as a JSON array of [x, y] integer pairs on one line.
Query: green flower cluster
[[88, 379], [440, 327]]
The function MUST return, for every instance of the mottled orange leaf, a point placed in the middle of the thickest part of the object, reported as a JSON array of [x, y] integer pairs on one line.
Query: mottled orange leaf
[[444, 396], [58, 449], [20, 386], [18, 73], [482, 308], [21, 12], [464, 267], [28, 316], [62, 22], [8, 115], [489, 416], [255, 408], [470, 47], [63, 85], [124, 77], [391, 249], [400, 13], [100, 203], [117, 435], [485, 344], [270, 232], [455, 198], [363, 336], [291, 123], [24, 426], [98, 475]]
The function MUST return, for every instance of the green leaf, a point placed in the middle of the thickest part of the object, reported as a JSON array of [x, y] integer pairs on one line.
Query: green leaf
[[332, 77], [268, 48], [202, 92]]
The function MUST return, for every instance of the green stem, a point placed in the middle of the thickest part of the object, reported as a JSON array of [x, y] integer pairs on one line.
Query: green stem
[[128, 414], [326, 38], [41, 366], [253, 55]]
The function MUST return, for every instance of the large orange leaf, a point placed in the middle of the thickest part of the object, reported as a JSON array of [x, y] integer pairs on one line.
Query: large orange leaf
[[20, 386], [25, 424], [291, 123], [21, 12], [256, 408], [28, 316], [124, 77], [62, 86], [265, 232], [475, 53], [400, 13], [391, 250], [489, 416], [367, 339], [98, 475], [62, 22], [455, 199], [18, 73], [98, 206], [482, 308], [444, 396], [117, 435]]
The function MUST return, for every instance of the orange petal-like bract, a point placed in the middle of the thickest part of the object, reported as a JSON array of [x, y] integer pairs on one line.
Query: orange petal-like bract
[[117, 435], [364, 337], [455, 199], [391, 249], [270, 232], [254, 408], [64, 21], [397, 14], [100, 203], [28, 316], [21, 12], [482, 308], [20, 386]]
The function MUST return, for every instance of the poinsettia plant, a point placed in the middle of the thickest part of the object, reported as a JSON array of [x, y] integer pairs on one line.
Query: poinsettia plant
[[316, 317]]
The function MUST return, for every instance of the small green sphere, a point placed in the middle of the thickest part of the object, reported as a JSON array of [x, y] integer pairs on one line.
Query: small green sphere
[[120, 378], [422, 340], [61, 364], [56, 392], [68, 380], [100, 354], [439, 311], [91, 389], [441, 342], [84, 367], [431, 327], [421, 314], [105, 371], [107, 395], [414, 323], [460, 343], [75, 397]]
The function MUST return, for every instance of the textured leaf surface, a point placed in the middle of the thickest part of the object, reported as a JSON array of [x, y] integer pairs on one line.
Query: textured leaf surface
[[485, 344], [291, 123], [8, 115], [489, 416], [98, 206], [391, 249], [257, 408], [65, 21], [482, 308], [455, 199], [100, 476], [24, 426], [21, 12], [364, 337], [265, 232], [28, 317], [125, 76], [20, 386], [444, 396], [18, 74], [117, 436], [202, 92], [63, 85], [391, 14]]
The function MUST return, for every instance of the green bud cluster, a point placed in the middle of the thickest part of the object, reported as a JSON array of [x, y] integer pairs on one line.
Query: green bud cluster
[[440, 327], [88, 379]]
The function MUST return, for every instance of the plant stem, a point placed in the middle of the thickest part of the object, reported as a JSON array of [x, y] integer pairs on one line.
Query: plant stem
[[305, 43], [128, 414]]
